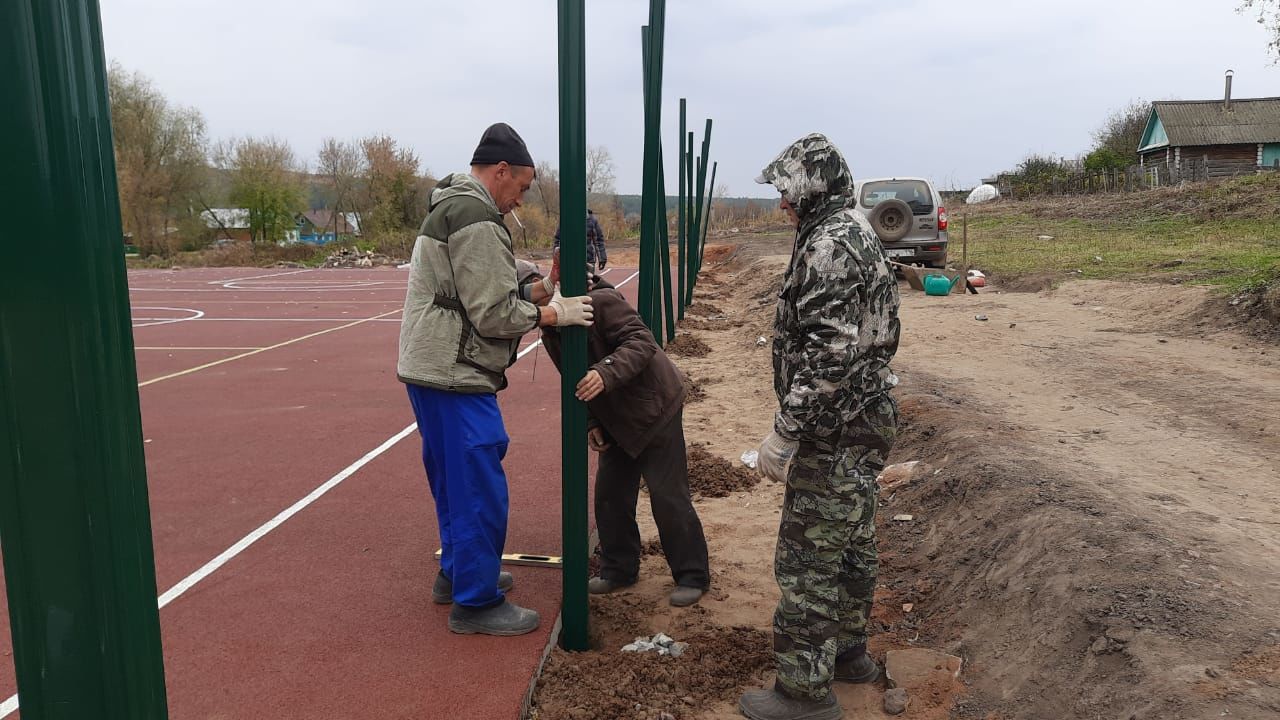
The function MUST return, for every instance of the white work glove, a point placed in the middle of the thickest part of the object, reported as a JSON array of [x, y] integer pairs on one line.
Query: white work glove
[[548, 286], [572, 310], [776, 453]]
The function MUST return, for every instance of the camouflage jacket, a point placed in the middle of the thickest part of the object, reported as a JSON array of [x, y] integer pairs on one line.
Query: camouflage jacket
[[836, 327]]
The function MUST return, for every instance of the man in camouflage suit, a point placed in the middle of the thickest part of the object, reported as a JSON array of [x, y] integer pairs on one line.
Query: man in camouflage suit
[[835, 332]]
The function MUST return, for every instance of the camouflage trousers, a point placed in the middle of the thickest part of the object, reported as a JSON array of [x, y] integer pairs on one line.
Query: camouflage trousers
[[826, 559]]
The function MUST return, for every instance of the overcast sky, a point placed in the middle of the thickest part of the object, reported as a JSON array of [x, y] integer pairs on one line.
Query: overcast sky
[[943, 89]]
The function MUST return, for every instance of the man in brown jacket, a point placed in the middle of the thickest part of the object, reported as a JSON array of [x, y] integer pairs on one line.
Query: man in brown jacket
[[635, 396]]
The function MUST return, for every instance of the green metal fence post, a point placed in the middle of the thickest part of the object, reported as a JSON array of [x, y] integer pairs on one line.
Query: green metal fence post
[[74, 516], [664, 250], [645, 294], [681, 230], [711, 194], [689, 221], [573, 257], [697, 222]]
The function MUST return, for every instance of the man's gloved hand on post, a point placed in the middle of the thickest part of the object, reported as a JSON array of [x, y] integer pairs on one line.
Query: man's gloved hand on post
[[572, 310], [776, 453]]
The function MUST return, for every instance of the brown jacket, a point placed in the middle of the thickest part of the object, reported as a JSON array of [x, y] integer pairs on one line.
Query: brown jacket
[[643, 389]]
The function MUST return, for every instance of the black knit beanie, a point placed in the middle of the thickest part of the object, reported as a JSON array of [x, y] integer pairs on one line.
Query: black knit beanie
[[501, 143]]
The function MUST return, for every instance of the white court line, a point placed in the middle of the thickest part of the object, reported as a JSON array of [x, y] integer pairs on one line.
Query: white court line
[[149, 322], [9, 706], [315, 287], [208, 569], [283, 319], [256, 277]]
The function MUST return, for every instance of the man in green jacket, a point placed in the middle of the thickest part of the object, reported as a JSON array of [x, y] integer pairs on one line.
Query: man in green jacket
[[464, 315]]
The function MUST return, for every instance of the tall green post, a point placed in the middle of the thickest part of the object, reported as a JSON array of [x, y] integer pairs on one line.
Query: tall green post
[[681, 230], [573, 258], [74, 517], [706, 221], [689, 212], [664, 250], [644, 302]]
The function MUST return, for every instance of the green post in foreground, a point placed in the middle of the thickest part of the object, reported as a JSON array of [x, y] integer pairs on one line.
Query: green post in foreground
[[74, 518], [573, 281]]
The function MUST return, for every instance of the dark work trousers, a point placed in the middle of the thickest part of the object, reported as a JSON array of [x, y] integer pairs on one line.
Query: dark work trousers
[[665, 468]]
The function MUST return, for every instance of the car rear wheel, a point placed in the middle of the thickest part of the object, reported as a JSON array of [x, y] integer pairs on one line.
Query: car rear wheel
[[891, 219]]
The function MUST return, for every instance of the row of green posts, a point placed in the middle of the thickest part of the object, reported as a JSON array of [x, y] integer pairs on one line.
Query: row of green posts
[[660, 304]]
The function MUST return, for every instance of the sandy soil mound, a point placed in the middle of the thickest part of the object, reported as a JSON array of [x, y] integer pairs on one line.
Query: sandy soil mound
[[686, 344], [713, 476]]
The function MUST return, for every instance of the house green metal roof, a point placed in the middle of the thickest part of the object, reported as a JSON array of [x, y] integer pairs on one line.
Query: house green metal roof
[[1207, 122]]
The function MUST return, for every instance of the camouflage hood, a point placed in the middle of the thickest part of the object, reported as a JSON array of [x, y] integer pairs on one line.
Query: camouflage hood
[[813, 177]]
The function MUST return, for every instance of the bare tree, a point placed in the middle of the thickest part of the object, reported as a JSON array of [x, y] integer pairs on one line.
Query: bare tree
[[394, 195], [342, 164], [266, 180], [160, 157], [1268, 14], [547, 182], [600, 171], [1121, 133]]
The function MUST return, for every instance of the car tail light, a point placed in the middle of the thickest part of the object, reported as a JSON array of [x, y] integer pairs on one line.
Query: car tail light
[[942, 218], [933, 248]]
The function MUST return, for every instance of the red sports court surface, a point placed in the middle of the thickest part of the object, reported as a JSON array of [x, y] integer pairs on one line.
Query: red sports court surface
[[294, 529]]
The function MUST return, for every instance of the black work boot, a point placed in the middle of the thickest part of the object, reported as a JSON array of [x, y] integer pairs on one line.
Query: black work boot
[[442, 591], [602, 586], [856, 666], [505, 619], [776, 704]]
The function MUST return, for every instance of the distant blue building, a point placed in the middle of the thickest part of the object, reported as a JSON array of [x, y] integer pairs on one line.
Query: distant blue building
[[320, 227]]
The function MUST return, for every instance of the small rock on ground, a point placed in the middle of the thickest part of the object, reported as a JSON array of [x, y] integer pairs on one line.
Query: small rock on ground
[[896, 701]]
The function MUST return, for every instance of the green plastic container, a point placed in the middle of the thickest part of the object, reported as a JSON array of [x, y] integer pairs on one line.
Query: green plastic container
[[936, 284]]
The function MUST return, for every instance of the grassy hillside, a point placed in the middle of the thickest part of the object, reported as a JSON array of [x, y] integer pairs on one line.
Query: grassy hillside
[[1225, 234]]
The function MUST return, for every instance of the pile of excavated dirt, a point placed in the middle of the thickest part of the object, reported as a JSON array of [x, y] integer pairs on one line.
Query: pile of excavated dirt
[[712, 476], [693, 391], [607, 683], [702, 308], [687, 345]]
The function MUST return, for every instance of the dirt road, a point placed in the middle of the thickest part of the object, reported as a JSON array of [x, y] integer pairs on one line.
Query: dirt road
[[1095, 529]]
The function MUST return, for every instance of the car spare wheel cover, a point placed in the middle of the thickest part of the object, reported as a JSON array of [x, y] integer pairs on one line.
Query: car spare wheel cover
[[891, 219]]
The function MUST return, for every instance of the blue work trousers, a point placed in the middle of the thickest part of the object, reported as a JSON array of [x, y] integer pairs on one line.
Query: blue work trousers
[[463, 443]]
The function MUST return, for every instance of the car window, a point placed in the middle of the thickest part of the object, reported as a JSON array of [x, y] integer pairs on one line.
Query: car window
[[913, 192]]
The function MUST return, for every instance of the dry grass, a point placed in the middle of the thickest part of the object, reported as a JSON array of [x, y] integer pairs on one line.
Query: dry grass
[[1223, 234]]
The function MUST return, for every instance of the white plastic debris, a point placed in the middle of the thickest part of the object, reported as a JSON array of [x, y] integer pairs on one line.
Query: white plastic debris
[[903, 518], [761, 341], [982, 193], [750, 458], [661, 643], [403, 267]]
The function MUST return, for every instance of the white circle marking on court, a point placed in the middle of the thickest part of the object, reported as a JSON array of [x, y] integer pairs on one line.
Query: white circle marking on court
[[139, 322]]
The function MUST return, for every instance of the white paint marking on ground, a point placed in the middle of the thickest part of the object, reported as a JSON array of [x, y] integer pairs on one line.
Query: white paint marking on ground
[[257, 277], [208, 365], [222, 559], [8, 707], [140, 322], [159, 347], [286, 319]]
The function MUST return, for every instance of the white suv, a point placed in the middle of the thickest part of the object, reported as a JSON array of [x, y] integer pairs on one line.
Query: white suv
[[908, 215]]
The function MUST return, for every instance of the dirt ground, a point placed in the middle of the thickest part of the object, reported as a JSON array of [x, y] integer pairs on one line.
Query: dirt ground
[[1095, 527]]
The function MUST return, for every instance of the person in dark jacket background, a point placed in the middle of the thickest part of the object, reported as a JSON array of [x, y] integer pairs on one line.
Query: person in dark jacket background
[[597, 256], [635, 396]]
